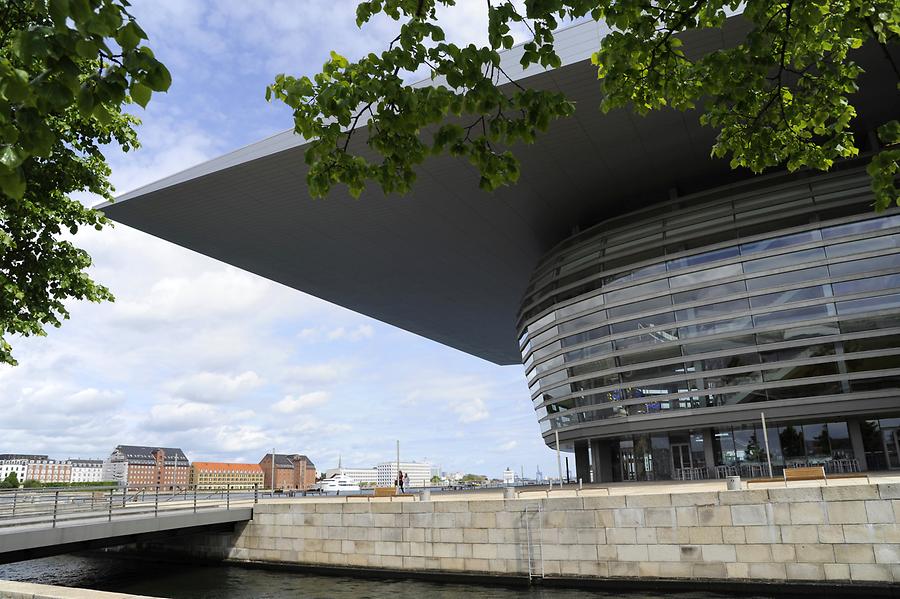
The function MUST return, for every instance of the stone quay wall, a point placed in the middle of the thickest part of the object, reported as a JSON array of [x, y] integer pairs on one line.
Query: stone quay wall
[[27, 590], [848, 533]]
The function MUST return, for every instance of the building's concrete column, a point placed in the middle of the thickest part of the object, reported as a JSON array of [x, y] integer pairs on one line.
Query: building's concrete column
[[582, 461], [601, 453], [708, 453], [856, 442]]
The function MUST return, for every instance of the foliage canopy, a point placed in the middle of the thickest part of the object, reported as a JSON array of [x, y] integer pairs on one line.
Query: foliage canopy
[[781, 97], [68, 68]]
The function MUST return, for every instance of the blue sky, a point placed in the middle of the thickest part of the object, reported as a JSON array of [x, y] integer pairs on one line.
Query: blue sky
[[218, 361]]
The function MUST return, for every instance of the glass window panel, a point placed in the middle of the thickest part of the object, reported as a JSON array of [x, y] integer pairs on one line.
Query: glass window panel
[[645, 322], [815, 390], [780, 242], [704, 258], [607, 380], [585, 336], [782, 260], [714, 328], [874, 363], [587, 352], [719, 309], [549, 364], [653, 372], [731, 361], [839, 437], [642, 306], [797, 353], [732, 379], [585, 304], [858, 266], [876, 384], [708, 293], [545, 351], [581, 322], [539, 340], [711, 274], [794, 315], [613, 297], [817, 445], [552, 379], [786, 278], [870, 284], [805, 332], [864, 245], [649, 337], [869, 304], [713, 345], [592, 367], [650, 389], [556, 392], [632, 257], [872, 343], [885, 321], [861, 226], [540, 323], [650, 355], [646, 271], [801, 372], [791, 295]]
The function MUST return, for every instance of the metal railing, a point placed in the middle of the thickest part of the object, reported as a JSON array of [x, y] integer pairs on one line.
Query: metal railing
[[39, 507]]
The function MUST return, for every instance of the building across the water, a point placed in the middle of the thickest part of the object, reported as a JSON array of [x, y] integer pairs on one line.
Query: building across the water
[[662, 301], [419, 473], [48, 471], [361, 476], [223, 475], [86, 471], [136, 466], [291, 471]]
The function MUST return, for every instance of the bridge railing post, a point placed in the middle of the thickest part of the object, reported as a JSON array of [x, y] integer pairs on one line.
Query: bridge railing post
[[195, 499], [228, 497], [55, 506], [15, 498], [156, 503], [111, 491], [255, 493]]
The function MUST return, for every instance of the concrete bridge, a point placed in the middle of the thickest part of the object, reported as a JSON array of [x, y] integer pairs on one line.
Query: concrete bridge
[[44, 522]]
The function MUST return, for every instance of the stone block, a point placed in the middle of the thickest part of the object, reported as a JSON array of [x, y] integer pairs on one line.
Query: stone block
[[386, 548], [507, 520], [391, 534], [889, 491], [837, 571], [676, 536], [754, 553], [648, 570], [855, 553], [632, 553], [782, 553], [714, 515], [449, 535], [743, 497], [599, 503], [606, 553], [491, 505], [664, 553], [808, 513], [660, 516], [579, 519], [329, 507], [780, 513], [653, 500], [847, 512], [686, 516], [734, 535], [484, 551], [769, 571], [690, 553], [831, 533], [694, 499], [850, 492], [392, 562], [805, 571], [719, 553], [675, 569], [861, 533], [879, 511], [800, 533], [737, 571], [620, 536], [796, 495], [888, 533], [888, 553], [415, 507], [414, 535], [749, 515], [443, 550], [475, 535], [623, 569], [701, 570], [645, 536], [483, 520], [871, 573], [582, 552], [628, 517], [464, 550], [815, 553], [702, 535], [559, 504], [591, 536], [593, 569], [452, 563], [604, 518], [477, 565], [445, 507]]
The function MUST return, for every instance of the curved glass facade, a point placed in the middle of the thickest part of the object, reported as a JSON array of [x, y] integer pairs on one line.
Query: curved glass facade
[[772, 295]]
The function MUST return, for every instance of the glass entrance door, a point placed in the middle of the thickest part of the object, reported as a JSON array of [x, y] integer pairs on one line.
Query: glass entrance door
[[682, 461], [628, 467]]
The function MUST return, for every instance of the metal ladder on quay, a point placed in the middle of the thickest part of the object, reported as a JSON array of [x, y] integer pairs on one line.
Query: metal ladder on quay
[[534, 546]]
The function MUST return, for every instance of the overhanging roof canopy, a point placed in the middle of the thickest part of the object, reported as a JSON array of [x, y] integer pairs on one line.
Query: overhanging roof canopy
[[448, 261]]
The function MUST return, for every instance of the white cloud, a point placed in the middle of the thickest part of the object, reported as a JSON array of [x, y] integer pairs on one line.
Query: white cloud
[[470, 409], [508, 446], [182, 416], [214, 387], [291, 404]]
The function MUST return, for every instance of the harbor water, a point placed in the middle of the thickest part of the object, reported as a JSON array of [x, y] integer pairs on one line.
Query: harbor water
[[187, 581]]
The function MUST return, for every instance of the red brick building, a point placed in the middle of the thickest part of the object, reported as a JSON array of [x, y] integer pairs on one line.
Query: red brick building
[[142, 466], [292, 471]]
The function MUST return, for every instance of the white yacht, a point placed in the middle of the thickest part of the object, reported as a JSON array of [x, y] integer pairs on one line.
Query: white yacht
[[338, 484]]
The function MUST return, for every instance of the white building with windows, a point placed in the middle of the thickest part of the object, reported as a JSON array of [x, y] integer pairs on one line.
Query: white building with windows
[[86, 471], [7, 467], [49, 471], [419, 473], [361, 476]]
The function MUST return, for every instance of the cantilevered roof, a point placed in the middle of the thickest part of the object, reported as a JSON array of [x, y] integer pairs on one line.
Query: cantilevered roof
[[448, 261]]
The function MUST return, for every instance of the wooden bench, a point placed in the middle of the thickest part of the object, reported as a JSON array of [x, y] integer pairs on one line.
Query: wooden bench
[[764, 480], [385, 491], [806, 473]]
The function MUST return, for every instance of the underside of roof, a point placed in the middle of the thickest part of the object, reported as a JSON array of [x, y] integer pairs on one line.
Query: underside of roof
[[449, 261]]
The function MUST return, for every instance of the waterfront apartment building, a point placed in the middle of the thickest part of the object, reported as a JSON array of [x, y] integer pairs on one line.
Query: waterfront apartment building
[[86, 471], [361, 476], [659, 300], [419, 473], [17, 463], [48, 471], [291, 471], [224, 475], [136, 466]]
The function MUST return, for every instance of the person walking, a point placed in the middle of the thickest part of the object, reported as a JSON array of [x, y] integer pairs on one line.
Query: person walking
[[400, 480], [406, 479]]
